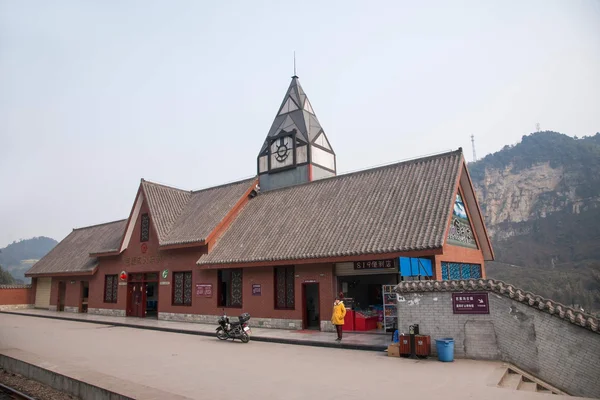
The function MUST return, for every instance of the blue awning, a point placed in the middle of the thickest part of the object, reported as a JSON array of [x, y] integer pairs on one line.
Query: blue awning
[[410, 266]]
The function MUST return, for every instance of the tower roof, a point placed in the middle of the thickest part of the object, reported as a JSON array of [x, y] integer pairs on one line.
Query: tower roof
[[295, 112]]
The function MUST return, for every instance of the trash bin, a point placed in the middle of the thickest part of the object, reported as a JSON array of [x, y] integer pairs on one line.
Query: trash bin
[[445, 349]]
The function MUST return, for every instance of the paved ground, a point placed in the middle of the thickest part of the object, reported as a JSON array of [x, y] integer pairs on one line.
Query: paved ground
[[199, 367], [365, 341]]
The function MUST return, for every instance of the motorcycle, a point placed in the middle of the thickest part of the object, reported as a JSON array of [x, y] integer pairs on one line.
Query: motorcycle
[[234, 330]]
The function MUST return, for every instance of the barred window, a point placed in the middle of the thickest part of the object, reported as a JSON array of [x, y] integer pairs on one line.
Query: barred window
[[230, 288], [458, 271], [284, 288], [111, 288], [145, 229], [182, 288]]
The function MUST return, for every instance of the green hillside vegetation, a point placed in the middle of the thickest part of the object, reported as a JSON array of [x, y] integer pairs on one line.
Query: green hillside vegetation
[[19, 256]]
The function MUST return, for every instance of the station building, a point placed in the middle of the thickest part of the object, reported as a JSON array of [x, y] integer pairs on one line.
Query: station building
[[279, 246]]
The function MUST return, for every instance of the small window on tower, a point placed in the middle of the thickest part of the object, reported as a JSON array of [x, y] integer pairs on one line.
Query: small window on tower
[[145, 233]]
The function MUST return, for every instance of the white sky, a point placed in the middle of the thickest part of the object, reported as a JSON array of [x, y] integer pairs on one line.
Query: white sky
[[95, 95]]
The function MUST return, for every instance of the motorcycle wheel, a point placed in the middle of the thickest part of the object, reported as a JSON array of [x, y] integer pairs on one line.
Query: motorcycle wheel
[[221, 334], [245, 338]]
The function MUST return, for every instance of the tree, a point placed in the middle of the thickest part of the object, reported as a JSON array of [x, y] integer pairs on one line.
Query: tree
[[5, 277]]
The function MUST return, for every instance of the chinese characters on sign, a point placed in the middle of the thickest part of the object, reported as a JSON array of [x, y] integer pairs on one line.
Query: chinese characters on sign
[[256, 289], [143, 260], [470, 303], [204, 290], [380, 264]]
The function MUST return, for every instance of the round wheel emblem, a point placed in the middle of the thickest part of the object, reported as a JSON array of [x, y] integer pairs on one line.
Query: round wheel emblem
[[144, 248]]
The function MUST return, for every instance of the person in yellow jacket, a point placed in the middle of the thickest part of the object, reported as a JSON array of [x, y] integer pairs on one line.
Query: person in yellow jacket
[[337, 319]]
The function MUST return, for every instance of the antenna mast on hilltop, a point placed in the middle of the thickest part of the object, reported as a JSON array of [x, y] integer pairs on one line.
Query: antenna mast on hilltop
[[537, 127], [473, 144]]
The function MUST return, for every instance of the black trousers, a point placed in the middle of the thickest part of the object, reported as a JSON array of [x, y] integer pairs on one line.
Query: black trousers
[[339, 329]]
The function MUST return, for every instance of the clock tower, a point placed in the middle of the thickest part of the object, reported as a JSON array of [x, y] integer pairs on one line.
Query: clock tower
[[296, 149]]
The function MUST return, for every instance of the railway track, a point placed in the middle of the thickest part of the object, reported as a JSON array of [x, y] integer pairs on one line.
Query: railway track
[[8, 393]]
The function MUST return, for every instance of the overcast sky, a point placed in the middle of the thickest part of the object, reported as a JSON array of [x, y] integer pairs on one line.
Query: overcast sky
[[95, 95]]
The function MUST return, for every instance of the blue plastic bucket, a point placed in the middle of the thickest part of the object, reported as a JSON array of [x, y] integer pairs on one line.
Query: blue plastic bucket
[[445, 349]]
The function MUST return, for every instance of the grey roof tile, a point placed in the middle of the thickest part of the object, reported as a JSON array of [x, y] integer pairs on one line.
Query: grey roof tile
[[204, 211], [166, 204], [399, 207], [72, 254]]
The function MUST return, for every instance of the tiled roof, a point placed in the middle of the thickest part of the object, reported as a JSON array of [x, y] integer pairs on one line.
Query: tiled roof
[[166, 204], [399, 207], [72, 254], [204, 210]]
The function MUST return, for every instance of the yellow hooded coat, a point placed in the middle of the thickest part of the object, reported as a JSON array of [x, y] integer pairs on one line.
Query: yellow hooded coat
[[339, 312]]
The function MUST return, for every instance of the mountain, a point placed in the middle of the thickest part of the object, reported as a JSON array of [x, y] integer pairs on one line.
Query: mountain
[[18, 257], [541, 201]]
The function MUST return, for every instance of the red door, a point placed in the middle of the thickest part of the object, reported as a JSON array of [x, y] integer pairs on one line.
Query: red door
[[135, 300]]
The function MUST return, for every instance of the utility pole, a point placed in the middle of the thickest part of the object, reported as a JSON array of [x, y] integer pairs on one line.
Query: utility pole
[[537, 127], [473, 145]]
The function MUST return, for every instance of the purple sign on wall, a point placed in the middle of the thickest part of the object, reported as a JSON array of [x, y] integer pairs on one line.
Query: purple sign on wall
[[256, 289], [470, 303]]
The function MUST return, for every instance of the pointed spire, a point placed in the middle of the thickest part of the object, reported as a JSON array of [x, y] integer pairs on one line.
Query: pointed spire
[[298, 108], [312, 154]]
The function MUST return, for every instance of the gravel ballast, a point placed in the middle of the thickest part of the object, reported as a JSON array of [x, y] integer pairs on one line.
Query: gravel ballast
[[32, 388]]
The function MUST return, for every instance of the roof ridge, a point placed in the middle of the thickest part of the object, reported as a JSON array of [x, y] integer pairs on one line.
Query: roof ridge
[[164, 186], [530, 299], [224, 184], [370, 169], [103, 223]]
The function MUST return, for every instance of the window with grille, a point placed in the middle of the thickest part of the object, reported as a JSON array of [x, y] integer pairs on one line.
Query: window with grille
[[111, 288], [230, 288], [457, 271], [182, 288], [145, 231], [284, 287]]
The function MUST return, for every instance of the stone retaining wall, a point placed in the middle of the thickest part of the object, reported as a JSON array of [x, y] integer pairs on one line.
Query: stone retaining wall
[[212, 319], [106, 311]]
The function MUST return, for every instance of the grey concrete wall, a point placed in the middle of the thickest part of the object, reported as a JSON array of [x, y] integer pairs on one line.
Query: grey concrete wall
[[550, 348], [285, 178], [12, 307]]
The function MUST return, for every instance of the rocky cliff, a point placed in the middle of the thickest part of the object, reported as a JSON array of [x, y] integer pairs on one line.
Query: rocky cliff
[[541, 201]]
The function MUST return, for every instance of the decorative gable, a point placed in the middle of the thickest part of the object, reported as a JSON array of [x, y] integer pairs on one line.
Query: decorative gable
[[461, 232]]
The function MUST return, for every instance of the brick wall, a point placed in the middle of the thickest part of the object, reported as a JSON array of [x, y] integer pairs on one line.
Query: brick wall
[[15, 296], [545, 345]]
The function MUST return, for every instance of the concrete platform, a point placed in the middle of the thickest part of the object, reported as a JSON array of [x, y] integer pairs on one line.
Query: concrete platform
[[136, 362], [352, 341]]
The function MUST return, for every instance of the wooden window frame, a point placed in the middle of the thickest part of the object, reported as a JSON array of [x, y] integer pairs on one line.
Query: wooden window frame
[[286, 270], [183, 303], [115, 287], [145, 218], [220, 290]]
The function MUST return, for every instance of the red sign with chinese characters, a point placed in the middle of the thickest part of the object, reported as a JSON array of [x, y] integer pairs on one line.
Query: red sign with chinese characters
[[379, 264], [204, 290], [470, 303]]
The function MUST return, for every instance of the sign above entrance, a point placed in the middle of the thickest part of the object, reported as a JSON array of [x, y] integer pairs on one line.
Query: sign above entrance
[[470, 303], [143, 260], [379, 264]]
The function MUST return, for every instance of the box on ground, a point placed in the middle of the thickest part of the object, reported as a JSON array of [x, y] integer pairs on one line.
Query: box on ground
[[393, 350]]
